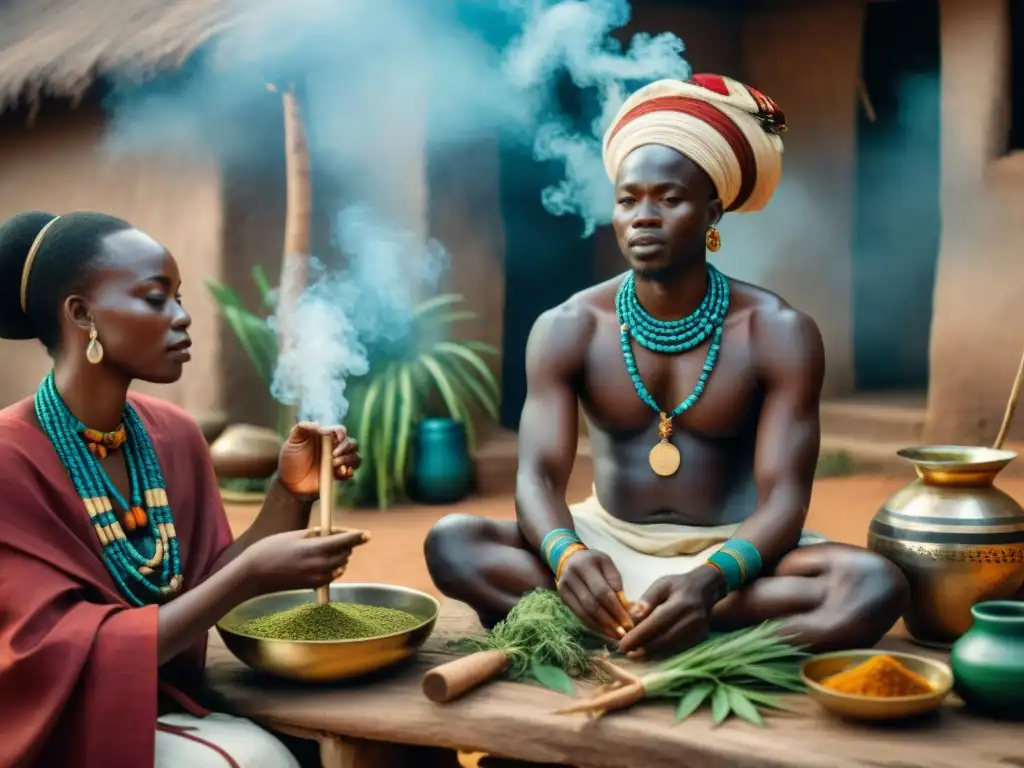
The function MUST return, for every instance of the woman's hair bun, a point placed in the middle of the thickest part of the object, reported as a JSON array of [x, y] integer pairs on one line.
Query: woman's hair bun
[[16, 237]]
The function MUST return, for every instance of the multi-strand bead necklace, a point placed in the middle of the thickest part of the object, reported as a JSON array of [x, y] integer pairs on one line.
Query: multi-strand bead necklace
[[148, 568], [672, 337]]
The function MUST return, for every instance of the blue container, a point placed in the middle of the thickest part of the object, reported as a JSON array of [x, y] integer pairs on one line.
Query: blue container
[[442, 468]]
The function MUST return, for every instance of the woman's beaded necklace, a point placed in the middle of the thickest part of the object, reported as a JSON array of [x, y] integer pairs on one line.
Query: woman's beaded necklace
[[102, 443], [142, 578], [672, 337]]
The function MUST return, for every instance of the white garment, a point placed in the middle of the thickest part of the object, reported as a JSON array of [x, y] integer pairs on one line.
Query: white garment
[[645, 553], [249, 745]]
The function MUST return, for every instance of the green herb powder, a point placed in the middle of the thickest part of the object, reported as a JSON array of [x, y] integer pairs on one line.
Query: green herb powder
[[333, 621]]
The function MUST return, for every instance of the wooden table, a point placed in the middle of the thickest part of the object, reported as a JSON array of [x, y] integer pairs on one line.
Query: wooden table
[[366, 724]]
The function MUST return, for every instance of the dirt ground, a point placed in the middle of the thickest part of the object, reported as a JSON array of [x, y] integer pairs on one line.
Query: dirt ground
[[841, 509]]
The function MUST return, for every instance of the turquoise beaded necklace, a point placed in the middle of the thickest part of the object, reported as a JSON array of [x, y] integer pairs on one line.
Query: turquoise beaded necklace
[[671, 337], [142, 577]]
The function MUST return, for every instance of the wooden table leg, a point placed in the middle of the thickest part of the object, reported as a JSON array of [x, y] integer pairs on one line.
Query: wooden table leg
[[341, 752], [334, 753]]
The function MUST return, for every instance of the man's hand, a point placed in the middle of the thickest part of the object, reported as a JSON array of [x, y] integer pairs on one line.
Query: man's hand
[[590, 586], [674, 613]]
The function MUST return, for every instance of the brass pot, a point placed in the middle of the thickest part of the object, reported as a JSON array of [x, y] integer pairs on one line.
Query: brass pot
[[957, 538]]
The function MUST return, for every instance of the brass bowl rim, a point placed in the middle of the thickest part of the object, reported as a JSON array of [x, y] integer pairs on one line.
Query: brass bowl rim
[[350, 641], [938, 693], [918, 455]]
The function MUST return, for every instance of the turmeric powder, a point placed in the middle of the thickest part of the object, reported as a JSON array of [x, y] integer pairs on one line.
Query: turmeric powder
[[880, 676]]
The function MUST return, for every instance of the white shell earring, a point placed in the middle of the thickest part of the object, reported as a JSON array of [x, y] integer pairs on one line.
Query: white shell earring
[[94, 351]]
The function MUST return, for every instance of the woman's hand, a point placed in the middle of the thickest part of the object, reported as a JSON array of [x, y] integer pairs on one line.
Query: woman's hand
[[298, 469], [299, 559], [277, 563]]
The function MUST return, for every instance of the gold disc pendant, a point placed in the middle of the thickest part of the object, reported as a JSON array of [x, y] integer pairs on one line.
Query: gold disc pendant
[[664, 457]]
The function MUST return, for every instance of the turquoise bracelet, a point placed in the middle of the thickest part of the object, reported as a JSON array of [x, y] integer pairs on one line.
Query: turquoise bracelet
[[738, 561], [555, 543]]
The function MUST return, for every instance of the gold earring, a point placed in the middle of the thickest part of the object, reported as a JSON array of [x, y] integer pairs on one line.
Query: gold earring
[[94, 352], [713, 240]]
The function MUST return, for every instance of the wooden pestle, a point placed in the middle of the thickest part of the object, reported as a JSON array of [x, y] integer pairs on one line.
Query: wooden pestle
[[323, 594], [449, 681], [1011, 406]]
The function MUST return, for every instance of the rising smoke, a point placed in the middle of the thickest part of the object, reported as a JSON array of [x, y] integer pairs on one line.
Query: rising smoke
[[371, 72], [345, 313]]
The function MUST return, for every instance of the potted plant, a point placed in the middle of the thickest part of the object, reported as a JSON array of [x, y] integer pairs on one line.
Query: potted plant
[[426, 376]]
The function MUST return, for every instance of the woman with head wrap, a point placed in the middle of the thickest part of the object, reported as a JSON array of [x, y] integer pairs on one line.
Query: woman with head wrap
[[115, 553]]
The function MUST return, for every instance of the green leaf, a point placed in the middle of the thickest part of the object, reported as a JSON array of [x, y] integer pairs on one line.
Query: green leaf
[[406, 414], [470, 389], [481, 346], [222, 294], [436, 303], [472, 358], [448, 393], [719, 705], [259, 276], [691, 700], [743, 708], [367, 439], [456, 316], [770, 700], [256, 338], [551, 677], [386, 439]]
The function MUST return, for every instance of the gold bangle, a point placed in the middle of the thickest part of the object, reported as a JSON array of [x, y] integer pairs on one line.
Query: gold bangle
[[569, 552]]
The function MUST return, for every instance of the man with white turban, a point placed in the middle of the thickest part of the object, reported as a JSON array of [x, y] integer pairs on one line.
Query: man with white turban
[[701, 394]]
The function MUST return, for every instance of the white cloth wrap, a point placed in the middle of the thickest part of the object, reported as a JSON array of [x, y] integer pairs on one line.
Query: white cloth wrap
[[248, 745], [645, 553], [700, 141]]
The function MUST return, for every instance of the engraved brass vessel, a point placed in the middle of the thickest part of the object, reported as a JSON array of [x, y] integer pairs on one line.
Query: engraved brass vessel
[[957, 538], [325, 661]]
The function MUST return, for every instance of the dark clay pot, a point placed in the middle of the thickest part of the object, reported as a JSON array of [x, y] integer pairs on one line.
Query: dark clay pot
[[988, 661], [442, 469]]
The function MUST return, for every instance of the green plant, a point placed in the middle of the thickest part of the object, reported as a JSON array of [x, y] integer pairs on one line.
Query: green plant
[[252, 330], [425, 373], [737, 673], [542, 640]]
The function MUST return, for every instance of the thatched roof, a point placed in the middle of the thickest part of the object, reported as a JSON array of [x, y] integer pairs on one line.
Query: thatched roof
[[57, 47]]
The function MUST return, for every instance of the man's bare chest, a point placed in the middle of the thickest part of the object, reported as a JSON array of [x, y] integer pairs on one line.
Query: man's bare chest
[[615, 403]]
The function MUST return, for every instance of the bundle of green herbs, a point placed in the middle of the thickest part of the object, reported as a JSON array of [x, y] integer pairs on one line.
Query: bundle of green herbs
[[542, 641], [736, 673]]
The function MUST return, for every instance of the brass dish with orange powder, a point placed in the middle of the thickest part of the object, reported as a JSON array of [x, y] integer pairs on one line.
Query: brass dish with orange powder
[[876, 684]]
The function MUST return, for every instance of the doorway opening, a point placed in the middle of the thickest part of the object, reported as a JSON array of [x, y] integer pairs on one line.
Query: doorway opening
[[897, 214]]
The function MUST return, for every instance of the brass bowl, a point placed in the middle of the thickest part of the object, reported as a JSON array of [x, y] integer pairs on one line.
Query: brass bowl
[[817, 668], [323, 661], [957, 465]]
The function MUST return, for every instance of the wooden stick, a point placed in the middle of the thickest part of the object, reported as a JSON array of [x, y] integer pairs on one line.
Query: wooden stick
[[323, 594], [1011, 406], [297, 225], [449, 681]]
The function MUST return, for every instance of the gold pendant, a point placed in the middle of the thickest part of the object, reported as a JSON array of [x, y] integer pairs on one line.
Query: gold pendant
[[664, 457]]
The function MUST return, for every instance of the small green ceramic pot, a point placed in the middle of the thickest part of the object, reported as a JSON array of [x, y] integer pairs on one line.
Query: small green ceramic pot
[[442, 469], [988, 660]]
